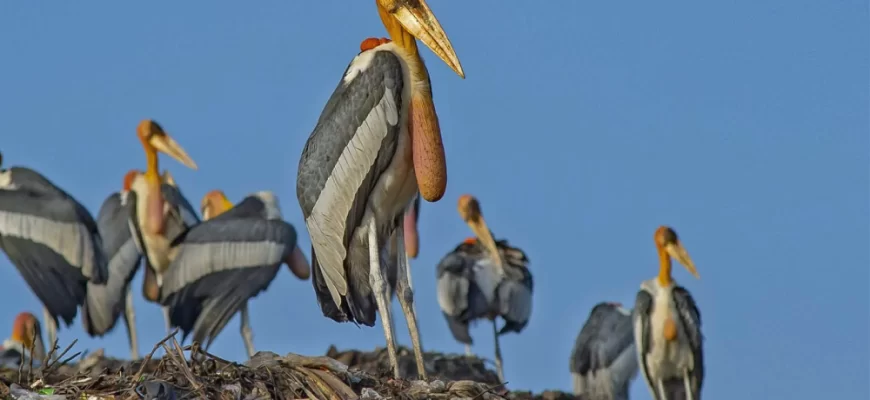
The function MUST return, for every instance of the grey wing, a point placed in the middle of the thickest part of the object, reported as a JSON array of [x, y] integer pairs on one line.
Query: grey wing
[[181, 215], [454, 291], [514, 293], [352, 144], [690, 317], [641, 320], [221, 244], [58, 224], [105, 302], [605, 337]]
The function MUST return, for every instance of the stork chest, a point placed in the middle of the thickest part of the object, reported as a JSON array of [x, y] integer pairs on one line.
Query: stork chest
[[156, 246], [668, 357]]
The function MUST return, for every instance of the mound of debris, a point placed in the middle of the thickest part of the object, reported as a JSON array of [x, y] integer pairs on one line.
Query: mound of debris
[[191, 373]]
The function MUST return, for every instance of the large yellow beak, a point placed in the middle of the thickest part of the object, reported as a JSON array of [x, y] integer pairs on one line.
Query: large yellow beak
[[167, 145], [416, 17], [679, 253]]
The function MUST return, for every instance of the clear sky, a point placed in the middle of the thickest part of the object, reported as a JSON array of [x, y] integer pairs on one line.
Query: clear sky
[[581, 127]]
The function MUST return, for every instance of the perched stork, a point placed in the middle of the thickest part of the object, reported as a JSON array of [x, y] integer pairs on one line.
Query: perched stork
[[105, 302], [603, 362], [52, 240], [483, 278], [228, 259], [25, 342], [667, 327], [161, 211], [376, 144]]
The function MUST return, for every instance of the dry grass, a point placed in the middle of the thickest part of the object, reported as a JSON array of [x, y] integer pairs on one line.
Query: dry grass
[[190, 373]]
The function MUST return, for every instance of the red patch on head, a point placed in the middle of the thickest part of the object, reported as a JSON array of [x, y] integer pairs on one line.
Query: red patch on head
[[470, 240], [129, 177], [371, 43]]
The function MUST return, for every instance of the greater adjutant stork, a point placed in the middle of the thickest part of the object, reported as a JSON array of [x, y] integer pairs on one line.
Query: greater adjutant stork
[[376, 143], [228, 259], [161, 212], [603, 361], [667, 327], [25, 343], [484, 278], [52, 240]]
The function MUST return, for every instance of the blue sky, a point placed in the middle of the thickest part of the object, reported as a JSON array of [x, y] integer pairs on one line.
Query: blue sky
[[581, 127]]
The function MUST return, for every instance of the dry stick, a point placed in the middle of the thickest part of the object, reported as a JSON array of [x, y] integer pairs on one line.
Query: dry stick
[[489, 390], [186, 369], [151, 354], [54, 364]]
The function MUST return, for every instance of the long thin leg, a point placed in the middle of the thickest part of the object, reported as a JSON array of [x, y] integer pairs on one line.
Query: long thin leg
[[690, 395], [247, 333], [382, 295], [166, 318], [52, 328], [130, 321], [499, 366], [661, 390], [468, 350], [405, 293]]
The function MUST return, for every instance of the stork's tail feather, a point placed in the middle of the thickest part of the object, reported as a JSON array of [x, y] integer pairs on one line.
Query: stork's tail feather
[[459, 329]]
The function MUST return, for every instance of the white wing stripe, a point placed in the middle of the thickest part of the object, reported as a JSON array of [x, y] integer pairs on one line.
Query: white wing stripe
[[328, 218], [68, 239], [208, 258]]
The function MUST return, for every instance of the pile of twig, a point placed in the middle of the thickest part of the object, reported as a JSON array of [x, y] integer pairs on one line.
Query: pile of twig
[[188, 372]]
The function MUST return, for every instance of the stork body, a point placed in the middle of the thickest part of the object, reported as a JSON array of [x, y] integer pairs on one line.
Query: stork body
[[667, 328], [225, 261], [603, 361], [376, 144], [52, 240], [160, 211], [470, 287], [105, 302]]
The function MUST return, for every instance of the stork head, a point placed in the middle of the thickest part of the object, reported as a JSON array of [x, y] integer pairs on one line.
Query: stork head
[[152, 136], [669, 246], [214, 203], [27, 332], [406, 20], [469, 210], [129, 177]]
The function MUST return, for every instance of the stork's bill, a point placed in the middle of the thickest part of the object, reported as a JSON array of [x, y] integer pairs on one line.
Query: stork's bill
[[469, 210], [409, 19], [669, 246], [152, 135]]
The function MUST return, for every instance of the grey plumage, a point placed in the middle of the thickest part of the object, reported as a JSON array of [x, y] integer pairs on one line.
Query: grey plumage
[[685, 353], [106, 302], [223, 262], [51, 239], [603, 362], [361, 114], [469, 289]]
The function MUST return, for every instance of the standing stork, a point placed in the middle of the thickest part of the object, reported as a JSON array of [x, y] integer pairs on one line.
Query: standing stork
[[161, 211], [376, 143], [228, 259], [52, 240], [667, 327], [105, 302], [484, 278], [603, 361]]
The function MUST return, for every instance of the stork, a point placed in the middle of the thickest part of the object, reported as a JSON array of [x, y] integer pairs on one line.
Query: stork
[[604, 362], [52, 240], [25, 344], [161, 211], [105, 302], [376, 143], [484, 278], [667, 327], [228, 259]]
